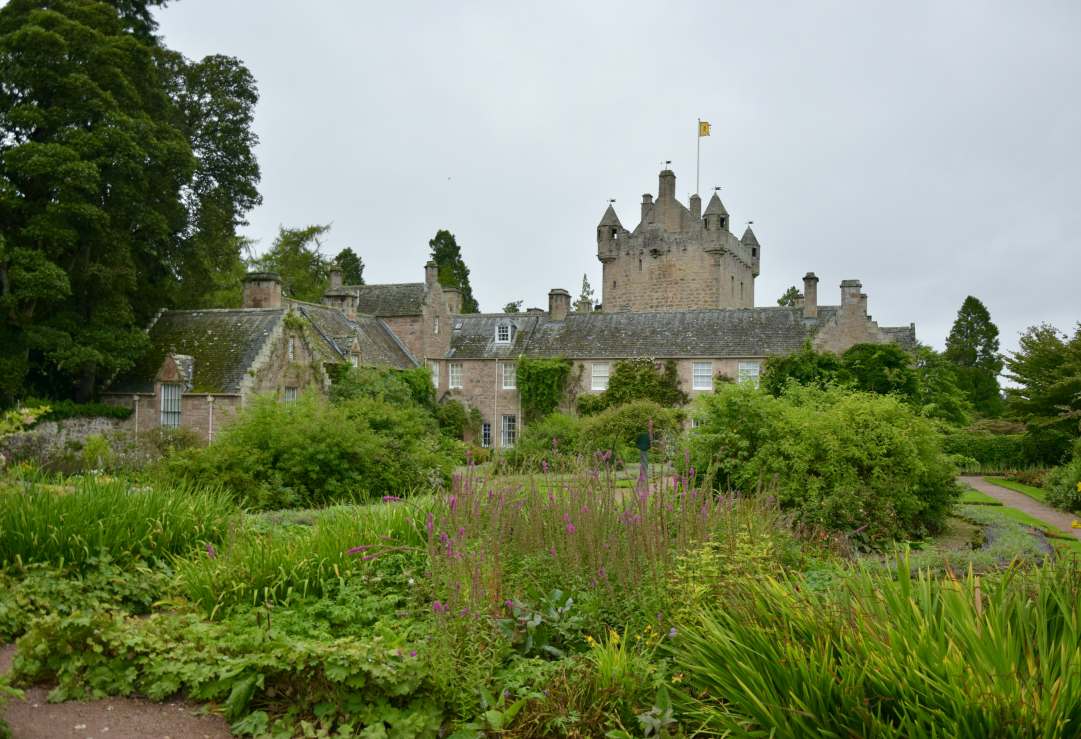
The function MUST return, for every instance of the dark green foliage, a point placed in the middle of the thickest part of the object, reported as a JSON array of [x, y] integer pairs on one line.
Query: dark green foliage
[[447, 256], [840, 460], [456, 419], [398, 387], [805, 367], [790, 298], [993, 451], [972, 347], [1063, 483], [125, 170], [617, 427], [880, 368], [586, 296], [1047, 396], [554, 438], [62, 409], [513, 307], [313, 452], [296, 257], [938, 394], [352, 267], [542, 385], [638, 379]]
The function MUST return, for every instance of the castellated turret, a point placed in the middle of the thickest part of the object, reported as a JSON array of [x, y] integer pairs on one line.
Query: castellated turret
[[676, 259]]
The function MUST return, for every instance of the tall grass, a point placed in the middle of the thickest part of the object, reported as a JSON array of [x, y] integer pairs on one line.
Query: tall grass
[[915, 656], [80, 519], [262, 564]]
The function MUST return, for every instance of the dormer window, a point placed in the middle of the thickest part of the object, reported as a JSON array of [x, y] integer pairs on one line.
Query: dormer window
[[503, 333]]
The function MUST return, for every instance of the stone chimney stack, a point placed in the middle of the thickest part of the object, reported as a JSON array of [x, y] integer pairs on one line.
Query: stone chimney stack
[[647, 205], [696, 206], [335, 277], [431, 275], [810, 295], [850, 293], [559, 304], [262, 290], [454, 299], [667, 187], [584, 305]]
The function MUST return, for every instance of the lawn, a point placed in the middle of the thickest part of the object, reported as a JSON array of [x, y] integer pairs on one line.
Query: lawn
[[1033, 492]]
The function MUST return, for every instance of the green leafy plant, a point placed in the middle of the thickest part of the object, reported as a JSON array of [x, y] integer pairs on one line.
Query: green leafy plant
[[542, 385], [635, 380], [544, 630]]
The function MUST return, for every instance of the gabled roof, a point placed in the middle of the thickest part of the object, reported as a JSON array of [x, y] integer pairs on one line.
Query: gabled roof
[[223, 344], [715, 206], [403, 299], [610, 218]]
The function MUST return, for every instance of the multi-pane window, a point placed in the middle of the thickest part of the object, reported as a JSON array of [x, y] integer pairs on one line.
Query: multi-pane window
[[455, 374], [170, 405], [486, 435], [355, 359], [502, 333], [702, 376], [290, 395], [292, 349], [434, 367], [509, 431], [510, 375], [599, 379], [696, 422], [435, 326], [748, 372]]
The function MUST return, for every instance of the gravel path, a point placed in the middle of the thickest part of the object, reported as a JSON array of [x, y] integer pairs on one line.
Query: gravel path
[[113, 718], [1050, 516]]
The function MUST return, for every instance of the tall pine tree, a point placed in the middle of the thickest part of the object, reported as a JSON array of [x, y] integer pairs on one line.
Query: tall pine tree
[[352, 267], [972, 347], [447, 256]]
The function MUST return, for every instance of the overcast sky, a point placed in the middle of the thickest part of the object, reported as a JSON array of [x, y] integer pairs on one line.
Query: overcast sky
[[930, 149]]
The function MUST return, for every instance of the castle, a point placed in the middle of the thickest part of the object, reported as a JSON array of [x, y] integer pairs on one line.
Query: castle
[[680, 286]]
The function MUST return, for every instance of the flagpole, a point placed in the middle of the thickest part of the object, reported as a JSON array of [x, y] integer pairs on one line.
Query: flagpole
[[698, 156]]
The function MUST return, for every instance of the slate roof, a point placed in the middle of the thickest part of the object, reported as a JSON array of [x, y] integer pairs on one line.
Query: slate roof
[[905, 336], [739, 332], [610, 218], [378, 345], [404, 299], [715, 206], [222, 343]]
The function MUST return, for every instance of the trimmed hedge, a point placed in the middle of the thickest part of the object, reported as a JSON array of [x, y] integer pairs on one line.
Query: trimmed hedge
[[1001, 451]]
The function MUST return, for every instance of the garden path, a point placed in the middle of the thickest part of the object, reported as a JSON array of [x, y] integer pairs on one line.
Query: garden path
[[1052, 517], [114, 718]]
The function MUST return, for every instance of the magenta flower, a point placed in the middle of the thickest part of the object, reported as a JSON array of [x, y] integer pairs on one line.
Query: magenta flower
[[544, 466], [453, 502], [210, 551], [391, 499], [412, 653], [570, 528], [357, 550], [429, 523], [508, 603], [438, 607]]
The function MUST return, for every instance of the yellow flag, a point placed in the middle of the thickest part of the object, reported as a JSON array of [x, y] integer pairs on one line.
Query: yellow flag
[[703, 128]]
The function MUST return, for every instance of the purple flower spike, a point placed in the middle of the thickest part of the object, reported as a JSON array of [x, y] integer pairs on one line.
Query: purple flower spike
[[672, 633], [357, 550], [437, 607], [391, 499], [508, 603], [429, 523], [413, 653], [453, 502], [211, 551], [570, 528]]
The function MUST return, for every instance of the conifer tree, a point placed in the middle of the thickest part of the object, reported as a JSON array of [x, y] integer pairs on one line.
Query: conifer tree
[[790, 298], [972, 347], [586, 296], [447, 256], [352, 267]]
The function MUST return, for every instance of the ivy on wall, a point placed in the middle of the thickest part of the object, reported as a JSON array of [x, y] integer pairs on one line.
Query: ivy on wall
[[638, 379], [542, 385]]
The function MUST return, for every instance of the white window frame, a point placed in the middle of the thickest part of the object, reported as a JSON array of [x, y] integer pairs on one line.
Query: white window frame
[[500, 330], [695, 422], [702, 375], [172, 395], [435, 326], [486, 435], [508, 431], [598, 376], [454, 375], [289, 395], [433, 365], [510, 376], [354, 359], [291, 350], [749, 371]]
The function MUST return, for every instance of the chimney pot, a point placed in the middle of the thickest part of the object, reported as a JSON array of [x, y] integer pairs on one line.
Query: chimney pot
[[559, 304], [262, 290], [810, 295], [335, 277], [431, 274], [696, 207]]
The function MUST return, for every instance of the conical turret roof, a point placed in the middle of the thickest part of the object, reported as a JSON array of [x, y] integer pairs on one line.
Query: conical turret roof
[[749, 238], [715, 207], [610, 218]]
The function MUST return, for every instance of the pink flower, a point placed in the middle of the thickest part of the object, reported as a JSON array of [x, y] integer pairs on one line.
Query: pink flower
[[570, 528], [210, 551], [429, 523], [391, 499], [412, 653], [453, 502], [437, 607]]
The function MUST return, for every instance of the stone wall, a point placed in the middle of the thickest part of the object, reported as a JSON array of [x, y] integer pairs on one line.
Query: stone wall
[[196, 413], [50, 437], [482, 388]]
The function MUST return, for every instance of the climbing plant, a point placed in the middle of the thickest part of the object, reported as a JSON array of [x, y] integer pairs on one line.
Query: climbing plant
[[638, 379], [542, 385]]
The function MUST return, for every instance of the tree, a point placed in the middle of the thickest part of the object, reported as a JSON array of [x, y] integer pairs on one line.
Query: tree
[[791, 297], [296, 257], [881, 368], [352, 267], [447, 256], [1046, 370], [514, 307], [973, 347], [638, 379], [586, 296], [938, 394], [124, 170], [805, 367]]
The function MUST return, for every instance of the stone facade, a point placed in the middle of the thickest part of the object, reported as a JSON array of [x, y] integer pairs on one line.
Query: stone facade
[[676, 258]]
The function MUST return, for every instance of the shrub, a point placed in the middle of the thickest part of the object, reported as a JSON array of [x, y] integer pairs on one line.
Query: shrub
[[554, 438], [542, 385], [999, 451], [620, 425], [638, 379], [1064, 485], [455, 419], [840, 460], [60, 410], [806, 367], [312, 452]]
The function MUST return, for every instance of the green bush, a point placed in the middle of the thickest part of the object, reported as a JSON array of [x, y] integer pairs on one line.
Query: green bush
[[1064, 485], [839, 460], [312, 452], [999, 451], [638, 379], [60, 410], [456, 419], [553, 439], [619, 426]]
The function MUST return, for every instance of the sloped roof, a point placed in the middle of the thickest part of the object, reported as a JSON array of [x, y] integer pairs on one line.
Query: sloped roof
[[610, 218], [378, 344], [403, 299], [749, 238], [473, 335], [223, 344], [904, 336], [715, 206]]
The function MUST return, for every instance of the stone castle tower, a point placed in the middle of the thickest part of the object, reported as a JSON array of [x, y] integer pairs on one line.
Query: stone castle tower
[[677, 258]]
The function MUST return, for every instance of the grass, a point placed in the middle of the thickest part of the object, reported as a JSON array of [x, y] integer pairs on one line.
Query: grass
[[1033, 492], [87, 517], [971, 496]]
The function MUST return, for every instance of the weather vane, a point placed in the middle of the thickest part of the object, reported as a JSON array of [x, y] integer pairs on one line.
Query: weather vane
[[716, 188], [611, 200]]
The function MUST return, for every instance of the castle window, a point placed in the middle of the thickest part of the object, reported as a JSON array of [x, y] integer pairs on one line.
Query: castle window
[[733, 285], [615, 233], [486, 435], [702, 376], [290, 395], [748, 372], [292, 348], [455, 375], [639, 264], [435, 326], [170, 405], [502, 333], [354, 359], [722, 221], [613, 283], [741, 289], [510, 375], [754, 251], [434, 367], [599, 376], [509, 431]]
